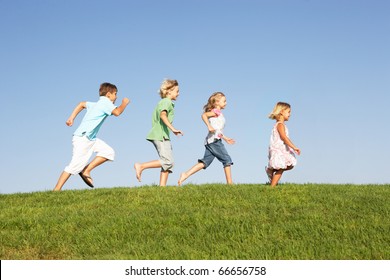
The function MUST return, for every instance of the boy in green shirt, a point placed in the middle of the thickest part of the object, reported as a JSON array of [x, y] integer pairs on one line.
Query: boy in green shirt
[[162, 119]]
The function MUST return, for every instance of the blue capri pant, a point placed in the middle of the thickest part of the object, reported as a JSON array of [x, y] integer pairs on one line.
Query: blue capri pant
[[216, 150]]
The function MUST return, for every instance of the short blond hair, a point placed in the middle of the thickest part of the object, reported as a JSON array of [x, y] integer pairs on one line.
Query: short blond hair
[[279, 107], [166, 87]]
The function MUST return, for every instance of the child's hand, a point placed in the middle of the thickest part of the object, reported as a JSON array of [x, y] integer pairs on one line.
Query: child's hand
[[119, 110], [211, 129], [69, 122], [177, 132], [126, 101], [229, 140], [297, 151]]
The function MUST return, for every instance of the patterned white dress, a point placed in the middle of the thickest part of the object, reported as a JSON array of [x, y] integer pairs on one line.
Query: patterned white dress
[[279, 154]]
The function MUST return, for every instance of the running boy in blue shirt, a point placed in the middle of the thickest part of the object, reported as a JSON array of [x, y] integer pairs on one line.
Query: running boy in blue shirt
[[84, 138]]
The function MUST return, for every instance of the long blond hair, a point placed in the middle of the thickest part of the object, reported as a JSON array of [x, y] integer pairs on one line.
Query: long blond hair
[[279, 107], [166, 86], [212, 100]]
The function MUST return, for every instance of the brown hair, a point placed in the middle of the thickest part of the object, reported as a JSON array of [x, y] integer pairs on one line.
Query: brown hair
[[212, 100], [107, 87]]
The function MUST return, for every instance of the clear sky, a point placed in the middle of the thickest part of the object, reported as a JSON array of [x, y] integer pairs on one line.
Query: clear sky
[[329, 59]]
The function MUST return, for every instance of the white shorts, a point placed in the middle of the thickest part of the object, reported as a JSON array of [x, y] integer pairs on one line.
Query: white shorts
[[82, 151]]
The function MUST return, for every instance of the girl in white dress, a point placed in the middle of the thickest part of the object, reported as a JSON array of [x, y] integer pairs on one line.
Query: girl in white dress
[[281, 150]]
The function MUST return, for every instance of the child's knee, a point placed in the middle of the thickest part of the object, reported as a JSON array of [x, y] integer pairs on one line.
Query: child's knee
[[167, 166], [227, 161], [75, 168], [107, 153], [111, 154]]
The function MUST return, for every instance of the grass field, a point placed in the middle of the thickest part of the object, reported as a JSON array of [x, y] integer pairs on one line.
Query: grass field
[[214, 221]]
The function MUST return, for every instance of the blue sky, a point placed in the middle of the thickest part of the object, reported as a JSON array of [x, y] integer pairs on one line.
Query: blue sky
[[329, 59]]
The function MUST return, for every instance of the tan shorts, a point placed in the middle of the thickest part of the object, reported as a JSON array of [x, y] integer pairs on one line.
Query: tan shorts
[[164, 150]]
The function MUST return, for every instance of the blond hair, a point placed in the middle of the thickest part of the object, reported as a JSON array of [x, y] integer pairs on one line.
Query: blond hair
[[212, 100], [166, 87], [279, 107], [107, 87]]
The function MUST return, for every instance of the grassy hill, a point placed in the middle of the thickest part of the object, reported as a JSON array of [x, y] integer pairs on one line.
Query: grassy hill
[[211, 221]]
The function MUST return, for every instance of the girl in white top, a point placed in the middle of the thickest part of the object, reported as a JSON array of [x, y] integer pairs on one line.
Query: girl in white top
[[281, 150], [215, 122]]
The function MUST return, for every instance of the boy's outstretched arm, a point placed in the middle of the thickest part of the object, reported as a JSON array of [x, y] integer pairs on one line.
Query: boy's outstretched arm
[[119, 110], [81, 106]]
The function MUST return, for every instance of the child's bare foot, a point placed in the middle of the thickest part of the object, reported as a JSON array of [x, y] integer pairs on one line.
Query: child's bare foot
[[183, 177], [138, 171]]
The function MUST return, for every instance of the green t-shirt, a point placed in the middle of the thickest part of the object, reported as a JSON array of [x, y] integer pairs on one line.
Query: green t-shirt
[[159, 130]]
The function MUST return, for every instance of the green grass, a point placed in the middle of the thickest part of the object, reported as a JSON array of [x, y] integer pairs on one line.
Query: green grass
[[212, 221]]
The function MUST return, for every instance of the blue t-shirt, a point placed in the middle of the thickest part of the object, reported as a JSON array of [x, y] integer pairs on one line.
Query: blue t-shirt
[[97, 112]]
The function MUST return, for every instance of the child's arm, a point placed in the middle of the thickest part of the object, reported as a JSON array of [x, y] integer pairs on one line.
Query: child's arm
[[119, 110], [81, 106], [164, 118], [228, 140], [205, 118], [285, 139]]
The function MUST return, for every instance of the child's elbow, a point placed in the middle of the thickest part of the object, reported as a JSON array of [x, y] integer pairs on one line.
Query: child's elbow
[[116, 113], [284, 139], [82, 105]]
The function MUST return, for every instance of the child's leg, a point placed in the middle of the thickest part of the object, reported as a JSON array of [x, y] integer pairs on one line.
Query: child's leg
[[278, 175], [62, 180], [270, 173], [191, 171], [164, 178], [228, 174], [93, 164], [139, 167], [103, 153], [164, 150], [219, 151], [82, 151]]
